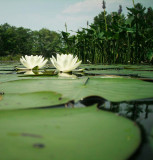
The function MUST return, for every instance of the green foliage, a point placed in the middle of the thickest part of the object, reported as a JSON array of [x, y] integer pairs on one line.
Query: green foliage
[[14, 58], [150, 56], [46, 42], [21, 41], [14, 41], [114, 38]]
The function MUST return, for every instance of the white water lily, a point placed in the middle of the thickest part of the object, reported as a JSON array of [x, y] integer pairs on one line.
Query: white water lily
[[65, 63], [32, 61]]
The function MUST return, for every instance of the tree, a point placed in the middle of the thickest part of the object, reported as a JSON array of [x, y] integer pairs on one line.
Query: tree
[[46, 42], [23, 41]]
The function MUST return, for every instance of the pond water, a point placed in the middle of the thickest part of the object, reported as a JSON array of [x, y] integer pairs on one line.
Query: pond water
[[125, 90]]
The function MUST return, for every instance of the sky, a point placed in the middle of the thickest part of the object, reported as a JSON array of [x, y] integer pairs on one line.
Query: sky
[[53, 14]]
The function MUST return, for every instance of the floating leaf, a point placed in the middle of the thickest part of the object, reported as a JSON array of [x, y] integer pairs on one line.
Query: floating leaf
[[82, 133], [30, 100], [126, 72], [117, 89]]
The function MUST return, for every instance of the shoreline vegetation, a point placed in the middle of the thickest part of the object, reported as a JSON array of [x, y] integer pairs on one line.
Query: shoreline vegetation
[[111, 39], [10, 58], [16, 59]]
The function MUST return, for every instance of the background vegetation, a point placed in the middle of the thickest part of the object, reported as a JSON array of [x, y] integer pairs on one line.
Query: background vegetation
[[114, 38], [15, 42], [111, 38]]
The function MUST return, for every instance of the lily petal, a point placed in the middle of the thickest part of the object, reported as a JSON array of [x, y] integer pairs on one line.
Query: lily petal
[[65, 63], [33, 61]]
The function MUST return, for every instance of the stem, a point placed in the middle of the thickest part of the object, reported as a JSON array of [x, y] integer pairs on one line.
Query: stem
[[129, 49], [105, 54], [105, 20], [133, 3], [136, 39], [66, 27]]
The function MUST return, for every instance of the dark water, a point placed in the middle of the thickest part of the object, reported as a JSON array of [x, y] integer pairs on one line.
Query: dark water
[[140, 111]]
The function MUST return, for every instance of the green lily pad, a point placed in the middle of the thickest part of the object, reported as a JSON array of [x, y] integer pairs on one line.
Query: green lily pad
[[138, 67], [122, 70], [91, 66], [11, 77], [117, 66], [9, 65], [82, 133], [30, 100], [117, 89], [141, 73]]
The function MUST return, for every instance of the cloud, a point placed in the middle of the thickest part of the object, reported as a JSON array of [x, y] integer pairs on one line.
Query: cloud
[[73, 22], [84, 6], [77, 14], [72, 18], [87, 6]]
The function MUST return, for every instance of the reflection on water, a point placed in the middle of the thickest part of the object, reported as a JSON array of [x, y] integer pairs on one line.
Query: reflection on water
[[132, 109], [29, 72], [46, 73], [67, 75]]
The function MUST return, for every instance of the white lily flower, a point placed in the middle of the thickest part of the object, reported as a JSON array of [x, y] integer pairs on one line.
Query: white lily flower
[[32, 61], [65, 63]]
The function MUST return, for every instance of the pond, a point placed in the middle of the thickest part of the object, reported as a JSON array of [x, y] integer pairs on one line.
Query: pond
[[102, 112]]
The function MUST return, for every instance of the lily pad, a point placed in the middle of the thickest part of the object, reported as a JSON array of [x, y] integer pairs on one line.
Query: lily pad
[[31, 100], [11, 77], [8, 65], [82, 133], [118, 89], [91, 66], [125, 72]]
